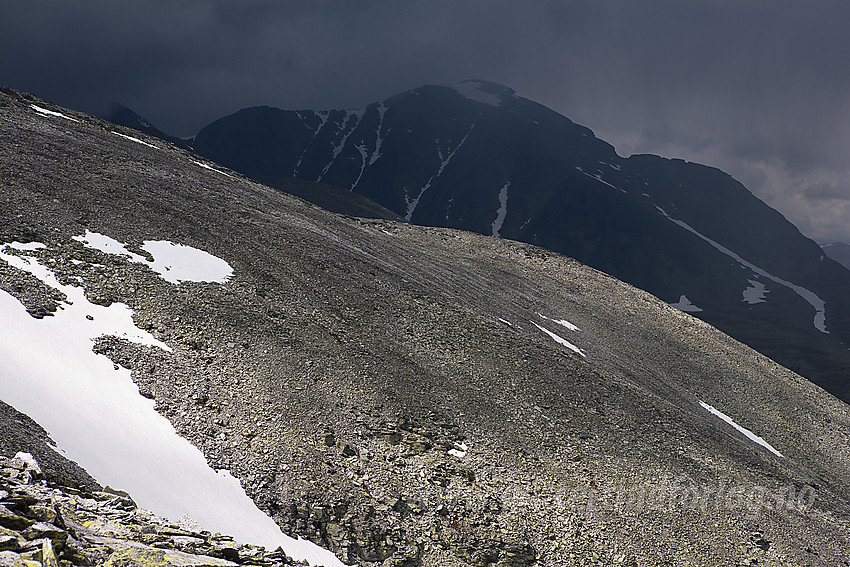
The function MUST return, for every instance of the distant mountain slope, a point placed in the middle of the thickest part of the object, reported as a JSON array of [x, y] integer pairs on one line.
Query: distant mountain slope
[[838, 251], [127, 117], [325, 196], [424, 396], [477, 157]]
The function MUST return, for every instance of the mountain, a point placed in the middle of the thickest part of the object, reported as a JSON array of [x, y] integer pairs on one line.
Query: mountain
[[54, 524], [326, 196], [838, 251], [402, 395], [477, 157], [129, 118]]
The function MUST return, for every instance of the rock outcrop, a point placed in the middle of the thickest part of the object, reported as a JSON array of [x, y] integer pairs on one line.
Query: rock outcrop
[[51, 525]]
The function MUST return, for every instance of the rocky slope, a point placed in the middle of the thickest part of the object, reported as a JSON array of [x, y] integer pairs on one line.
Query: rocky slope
[[19, 431], [476, 156], [419, 396], [53, 524]]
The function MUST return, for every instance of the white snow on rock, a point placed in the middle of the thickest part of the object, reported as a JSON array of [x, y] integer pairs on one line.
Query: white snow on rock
[[211, 168], [444, 161], [26, 246], [364, 153], [459, 451], [176, 263], [97, 417], [138, 141], [560, 340], [684, 304], [598, 177], [747, 433], [115, 320], [28, 460], [46, 112], [502, 211], [809, 296], [323, 118], [473, 90], [755, 293], [561, 322], [350, 115], [382, 110]]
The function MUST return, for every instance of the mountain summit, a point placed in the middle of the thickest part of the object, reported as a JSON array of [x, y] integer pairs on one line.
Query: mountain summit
[[476, 156]]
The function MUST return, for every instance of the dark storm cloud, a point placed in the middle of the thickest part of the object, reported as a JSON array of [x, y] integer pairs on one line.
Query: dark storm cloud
[[758, 88]]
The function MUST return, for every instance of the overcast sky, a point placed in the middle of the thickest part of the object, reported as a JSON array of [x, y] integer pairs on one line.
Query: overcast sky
[[758, 88]]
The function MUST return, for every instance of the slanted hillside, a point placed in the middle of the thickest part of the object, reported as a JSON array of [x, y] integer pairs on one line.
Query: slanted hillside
[[838, 251], [422, 396], [476, 156]]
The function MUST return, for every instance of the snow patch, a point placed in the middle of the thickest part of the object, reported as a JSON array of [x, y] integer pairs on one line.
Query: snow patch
[[368, 158], [459, 451], [97, 417], [28, 460], [755, 293], [502, 211], [598, 177], [747, 433], [176, 263], [684, 304], [561, 322], [810, 297], [444, 161], [348, 129], [382, 110], [474, 90], [363, 163], [560, 340], [323, 119], [211, 168], [138, 141], [115, 320], [26, 246], [46, 112]]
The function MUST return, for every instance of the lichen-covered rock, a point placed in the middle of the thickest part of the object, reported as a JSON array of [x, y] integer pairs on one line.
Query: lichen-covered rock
[[49, 526]]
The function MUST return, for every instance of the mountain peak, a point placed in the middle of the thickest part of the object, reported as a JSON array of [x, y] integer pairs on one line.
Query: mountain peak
[[125, 116], [483, 91], [129, 118]]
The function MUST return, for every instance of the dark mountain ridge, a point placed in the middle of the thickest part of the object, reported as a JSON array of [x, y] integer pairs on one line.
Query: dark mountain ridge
[[407, 395], [838, 251], [129, 118], [477, 157]]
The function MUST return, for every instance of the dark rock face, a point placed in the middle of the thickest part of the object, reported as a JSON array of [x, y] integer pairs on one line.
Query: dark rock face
[[17, 431], [477, 157], [420, 396]]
